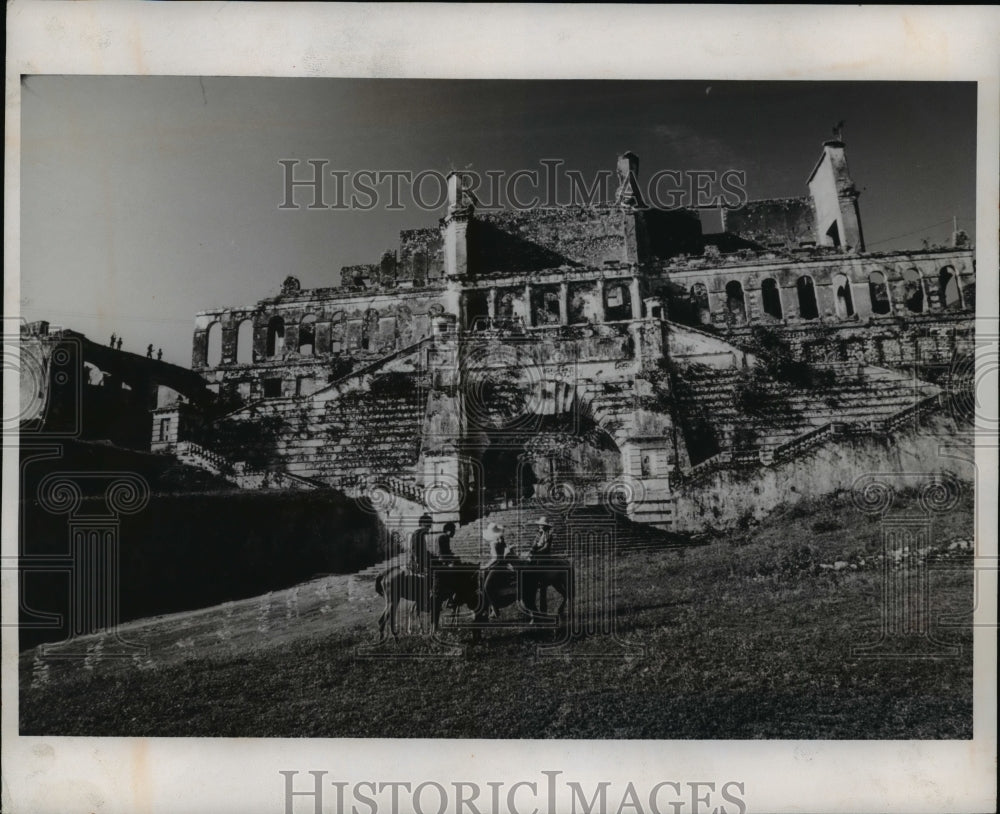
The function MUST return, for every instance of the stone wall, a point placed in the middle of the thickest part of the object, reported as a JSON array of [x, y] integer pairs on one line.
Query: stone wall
[[296, 344], [545, 238], [747, 289], [421, 255], [731, 497], [773, 222]]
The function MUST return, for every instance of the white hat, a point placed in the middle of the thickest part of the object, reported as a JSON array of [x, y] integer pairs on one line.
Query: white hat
[[541, 521], [492, 532]]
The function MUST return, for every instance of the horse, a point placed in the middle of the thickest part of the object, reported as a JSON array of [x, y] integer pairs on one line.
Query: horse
[[463, 584], [449, 582], [523, 583]]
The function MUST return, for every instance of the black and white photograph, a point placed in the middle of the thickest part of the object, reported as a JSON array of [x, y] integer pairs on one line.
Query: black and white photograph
[[442, 409]]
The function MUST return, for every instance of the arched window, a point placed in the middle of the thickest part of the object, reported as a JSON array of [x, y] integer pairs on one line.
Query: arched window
[[879, 293], [699, 299], [842, 296], [913, 291], [806, 290], [214, 354], [948, 289], [276, 337], [244, 343], [307, 335], [771, 298], [735, 304]]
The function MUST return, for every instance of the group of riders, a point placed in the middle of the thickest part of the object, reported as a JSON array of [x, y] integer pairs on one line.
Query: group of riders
[[426, 559]]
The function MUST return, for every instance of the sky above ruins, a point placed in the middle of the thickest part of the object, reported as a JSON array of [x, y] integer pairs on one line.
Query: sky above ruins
[[147, 199]]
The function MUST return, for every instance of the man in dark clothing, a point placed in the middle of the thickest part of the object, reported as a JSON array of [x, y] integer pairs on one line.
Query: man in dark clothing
[[444, 553], [419, 556]]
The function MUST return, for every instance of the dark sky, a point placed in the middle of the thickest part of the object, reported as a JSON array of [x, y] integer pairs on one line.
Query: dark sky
[[147, 199]]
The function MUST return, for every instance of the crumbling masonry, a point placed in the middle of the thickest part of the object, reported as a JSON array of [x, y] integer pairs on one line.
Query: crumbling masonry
[[605, 354]]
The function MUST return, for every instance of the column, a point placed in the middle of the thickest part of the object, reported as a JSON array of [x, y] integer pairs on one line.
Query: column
[[600, 301], [564, 303], [491, 304], [528, 321], [636, 301]]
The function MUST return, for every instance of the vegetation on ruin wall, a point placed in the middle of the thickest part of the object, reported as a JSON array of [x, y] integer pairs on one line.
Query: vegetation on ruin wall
[[252, 441], [671, 392]]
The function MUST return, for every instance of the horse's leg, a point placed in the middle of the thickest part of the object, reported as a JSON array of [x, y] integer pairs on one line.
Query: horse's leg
[[382, 619], [392, 619]]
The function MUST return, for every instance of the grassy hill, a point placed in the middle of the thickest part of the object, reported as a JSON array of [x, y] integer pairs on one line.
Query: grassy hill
[[754, 635]]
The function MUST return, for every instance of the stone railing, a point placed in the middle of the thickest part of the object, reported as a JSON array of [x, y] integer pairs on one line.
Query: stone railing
[[196, 454], [357, 485], [238, 472]]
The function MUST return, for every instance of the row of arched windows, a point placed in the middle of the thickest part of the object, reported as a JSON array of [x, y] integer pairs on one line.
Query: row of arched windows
[[913, 295], [274, 344]]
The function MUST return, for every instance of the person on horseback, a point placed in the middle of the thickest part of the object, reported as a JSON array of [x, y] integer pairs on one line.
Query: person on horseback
[[541, 548], [419, 555], [493, 536], [444, 553], [443, 557]]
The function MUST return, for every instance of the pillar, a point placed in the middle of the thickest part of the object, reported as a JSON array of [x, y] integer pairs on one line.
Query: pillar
[[564, 303], [600, 301], [636, 300], [528, 321]]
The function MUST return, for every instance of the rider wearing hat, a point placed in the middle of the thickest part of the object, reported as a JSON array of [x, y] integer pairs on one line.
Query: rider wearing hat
[[541, 548]]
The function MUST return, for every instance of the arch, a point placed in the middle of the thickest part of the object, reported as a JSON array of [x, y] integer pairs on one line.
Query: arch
[[842, 296], [275, 337], [879, 293], [699, 302], [244, 342], [369, 326], [735, 302], [336, 340], [806, 290], [213, 353], [553, 447], [771, 298], [307, 335], [913, 291], [949, 291]]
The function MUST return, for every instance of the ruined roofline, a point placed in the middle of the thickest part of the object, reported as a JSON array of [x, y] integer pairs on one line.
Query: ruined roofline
[[830, 143]]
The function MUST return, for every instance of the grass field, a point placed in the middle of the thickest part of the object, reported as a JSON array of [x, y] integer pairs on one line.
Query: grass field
[[747, 636]]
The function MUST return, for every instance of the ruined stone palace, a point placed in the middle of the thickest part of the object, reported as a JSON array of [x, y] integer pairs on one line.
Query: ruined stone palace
[[602, 355]]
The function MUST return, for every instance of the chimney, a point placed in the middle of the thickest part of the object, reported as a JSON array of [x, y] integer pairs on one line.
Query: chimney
[[628, 181], [835, 200], [455, 227]]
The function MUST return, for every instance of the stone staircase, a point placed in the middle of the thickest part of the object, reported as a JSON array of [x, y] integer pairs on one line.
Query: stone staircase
[[238, 473], [861, 400]]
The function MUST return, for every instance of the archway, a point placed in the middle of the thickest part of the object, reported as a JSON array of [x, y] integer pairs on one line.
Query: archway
[[735, 303], [913, 291], [214, 352], [699, 299], [307, 335], [771, 298], [275, 337], [949, 290], [842, 296], [879, 292], [244, 343], [806, 290]]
